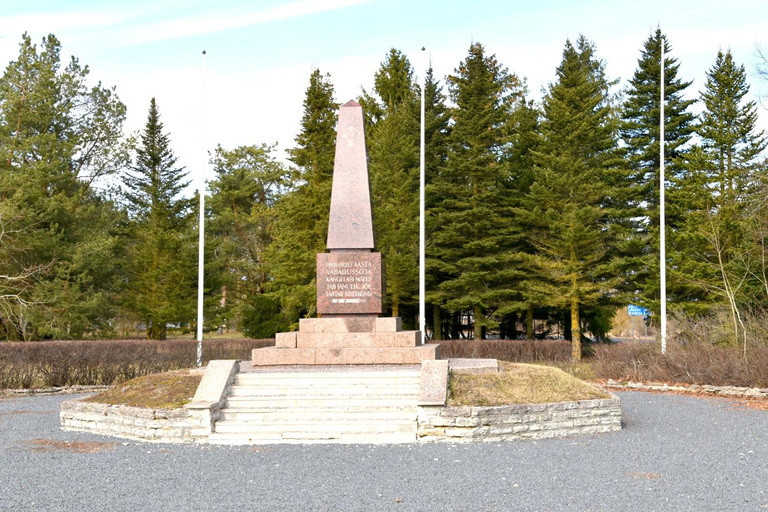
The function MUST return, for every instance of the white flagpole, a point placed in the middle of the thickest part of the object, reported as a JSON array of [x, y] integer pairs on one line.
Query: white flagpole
[[422, 231], [662, 217], [201, 237]]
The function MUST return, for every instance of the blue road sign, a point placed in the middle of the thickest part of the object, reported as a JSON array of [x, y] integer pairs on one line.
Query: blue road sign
[[633, 310]]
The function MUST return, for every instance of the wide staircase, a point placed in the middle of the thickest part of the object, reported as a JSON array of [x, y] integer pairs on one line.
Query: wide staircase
[[346, 405]]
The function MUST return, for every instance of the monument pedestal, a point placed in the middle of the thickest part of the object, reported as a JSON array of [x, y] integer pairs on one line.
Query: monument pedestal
[[349, 285], [345, 341]]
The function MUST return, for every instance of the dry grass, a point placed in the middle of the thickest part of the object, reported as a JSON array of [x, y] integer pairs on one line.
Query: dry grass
[[692, 363], [169, 390], [519, 384]]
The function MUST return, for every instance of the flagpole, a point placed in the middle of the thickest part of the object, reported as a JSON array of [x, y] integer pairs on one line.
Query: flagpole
[[422, 230], [662, 217], [201, 236]]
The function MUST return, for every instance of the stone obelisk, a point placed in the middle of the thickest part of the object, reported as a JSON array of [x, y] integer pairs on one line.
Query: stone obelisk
[[349, 276], [349, 284]]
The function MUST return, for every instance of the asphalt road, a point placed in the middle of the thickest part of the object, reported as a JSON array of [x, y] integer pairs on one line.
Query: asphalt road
[[674, 453]]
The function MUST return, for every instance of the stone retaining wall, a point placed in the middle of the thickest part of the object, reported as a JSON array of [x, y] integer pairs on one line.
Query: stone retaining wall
[[435, 423], [162, 425], [538, 421]]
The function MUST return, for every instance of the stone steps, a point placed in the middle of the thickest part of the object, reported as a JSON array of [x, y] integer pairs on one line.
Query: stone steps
[[266, 416], [312, 438], [319, 407], [315, 401]]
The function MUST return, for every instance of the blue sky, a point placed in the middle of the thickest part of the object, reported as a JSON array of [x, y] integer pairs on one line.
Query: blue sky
[[260, 53]]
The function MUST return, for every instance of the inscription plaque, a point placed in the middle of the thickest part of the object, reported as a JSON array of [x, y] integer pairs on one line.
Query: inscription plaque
[[349, 282]]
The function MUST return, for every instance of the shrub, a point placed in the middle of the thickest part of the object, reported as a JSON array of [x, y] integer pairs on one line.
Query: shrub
[[66, 363], [518, 351], [689, 363]]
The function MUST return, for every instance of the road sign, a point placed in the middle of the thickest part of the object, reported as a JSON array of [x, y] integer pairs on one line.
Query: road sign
[[633, 310]]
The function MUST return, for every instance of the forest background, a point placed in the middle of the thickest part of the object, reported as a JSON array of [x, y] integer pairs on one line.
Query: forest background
[[537, 208]]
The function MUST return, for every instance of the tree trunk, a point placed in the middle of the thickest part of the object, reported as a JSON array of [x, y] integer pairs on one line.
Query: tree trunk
[[529, 323], [437, 329], [575, 329], [478, 312]]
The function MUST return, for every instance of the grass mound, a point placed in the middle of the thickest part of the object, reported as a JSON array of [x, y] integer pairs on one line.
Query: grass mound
[[517, 383], [169, 390]]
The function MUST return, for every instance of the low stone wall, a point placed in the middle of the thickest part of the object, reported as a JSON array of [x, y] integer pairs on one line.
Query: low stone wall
[[162, 425], [509, 422]]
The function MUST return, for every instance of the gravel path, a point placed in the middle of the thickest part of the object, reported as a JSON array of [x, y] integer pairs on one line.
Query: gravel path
[[675, 453]]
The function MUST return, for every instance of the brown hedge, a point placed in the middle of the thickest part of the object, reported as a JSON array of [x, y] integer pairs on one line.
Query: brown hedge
[[105, 362], [518, 351], [698, 363]]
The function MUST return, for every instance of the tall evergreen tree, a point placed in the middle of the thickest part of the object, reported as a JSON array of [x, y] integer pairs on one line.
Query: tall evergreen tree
[[640, 132], [393, 85], [161, 256], [728, 129], [437, 120], [524, 140], [472, 229], [393, 143], [713, 194], [57, 137], [301, 226], [248, 183], [570, 219]]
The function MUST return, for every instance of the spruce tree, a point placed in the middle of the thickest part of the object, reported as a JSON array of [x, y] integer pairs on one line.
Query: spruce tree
[[161, 253], [301, 226], [640, 132], [57, 138], [570, 220], [522, 298], [472, 228], [248, 183], [436, 134], [393, 147], [714, 240], [728, 129]]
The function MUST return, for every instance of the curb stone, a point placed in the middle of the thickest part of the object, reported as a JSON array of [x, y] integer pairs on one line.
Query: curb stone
[[731, 391], [63, 390]]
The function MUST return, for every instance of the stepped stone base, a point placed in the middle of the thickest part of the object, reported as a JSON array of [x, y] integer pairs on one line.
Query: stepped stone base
[[347, 340]]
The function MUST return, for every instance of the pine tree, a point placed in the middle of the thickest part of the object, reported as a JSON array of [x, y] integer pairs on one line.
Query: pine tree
[[393, 147], [640, 131], [437, 119], [393, 86], [728, 129], [569, 216], [248, 183], [394, 81], [524, 140], [161, 256], [57, 137], [301, 226], [713, 196], [472, 228]]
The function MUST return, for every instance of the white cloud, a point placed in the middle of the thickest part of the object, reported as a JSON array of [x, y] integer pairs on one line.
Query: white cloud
[[208, 23]]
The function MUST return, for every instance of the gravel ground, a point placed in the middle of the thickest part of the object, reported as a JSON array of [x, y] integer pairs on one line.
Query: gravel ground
[[675, 453]]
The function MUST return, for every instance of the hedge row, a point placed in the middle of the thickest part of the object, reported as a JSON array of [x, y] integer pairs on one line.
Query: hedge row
[[689, 362], [518, 351], [67, 363], [697, 363]]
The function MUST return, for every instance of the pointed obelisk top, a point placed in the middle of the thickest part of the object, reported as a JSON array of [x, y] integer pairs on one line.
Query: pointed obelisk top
[[350, 225]]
